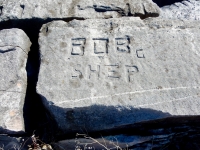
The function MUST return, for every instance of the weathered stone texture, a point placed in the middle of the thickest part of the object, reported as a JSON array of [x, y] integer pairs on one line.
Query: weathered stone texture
[[99, 74], [189, 10], [14, 48], [43, 9]]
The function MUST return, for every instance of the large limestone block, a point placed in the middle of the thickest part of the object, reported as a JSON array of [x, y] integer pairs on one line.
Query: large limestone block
[[43, 9], [14, 48], [100, 74], [188, 10]]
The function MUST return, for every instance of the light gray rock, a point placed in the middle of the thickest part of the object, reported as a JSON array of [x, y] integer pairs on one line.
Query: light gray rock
[[43, 9], [188, 9], [100, 74], [14, 48]]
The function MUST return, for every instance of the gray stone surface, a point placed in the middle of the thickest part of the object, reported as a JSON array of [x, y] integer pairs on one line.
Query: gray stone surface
[[43, 9], [99, 74], [14, 47], [188, 9]]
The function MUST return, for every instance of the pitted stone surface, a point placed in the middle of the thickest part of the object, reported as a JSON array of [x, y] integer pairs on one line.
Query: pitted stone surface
[[14, 48], [99, 74], [188, 10], [43, 9]]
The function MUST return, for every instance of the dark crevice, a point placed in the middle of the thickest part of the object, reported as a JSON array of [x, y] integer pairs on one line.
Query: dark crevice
[[100, 8], [5, 51], [22, 6], [162, 3], [1, 10], [123, 12]]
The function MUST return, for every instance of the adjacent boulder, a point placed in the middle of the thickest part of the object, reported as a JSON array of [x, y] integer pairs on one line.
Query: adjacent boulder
[[43, 9], [14, 48], [100, 74], [188, 9]]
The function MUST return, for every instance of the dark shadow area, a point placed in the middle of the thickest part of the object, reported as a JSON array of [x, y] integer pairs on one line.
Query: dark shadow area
[[162, 3], [125, 124], [123, 12], [169, 125], [14, 143], [177, 133], [11, 133], [8, 143], [95, 119]]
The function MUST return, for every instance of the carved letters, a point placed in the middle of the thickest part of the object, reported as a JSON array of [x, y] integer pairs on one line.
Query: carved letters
[[94, 71], [91, 72], [139, 53], [123, 44], [77, 72], [109, 71], [131, 70], [112, 71], [101, 46], [78, 46]]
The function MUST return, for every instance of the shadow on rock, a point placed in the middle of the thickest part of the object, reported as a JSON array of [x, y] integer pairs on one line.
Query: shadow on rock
[[180, 132], [96, 118]]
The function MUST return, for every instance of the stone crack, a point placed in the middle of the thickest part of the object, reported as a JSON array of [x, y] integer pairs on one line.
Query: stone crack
[[126, 93], [12, 49], [12, 91]]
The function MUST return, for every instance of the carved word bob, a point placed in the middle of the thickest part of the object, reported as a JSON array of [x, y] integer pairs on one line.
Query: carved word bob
[[101, 46]]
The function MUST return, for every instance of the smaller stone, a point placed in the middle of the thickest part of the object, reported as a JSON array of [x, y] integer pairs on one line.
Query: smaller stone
[[14, 48]]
